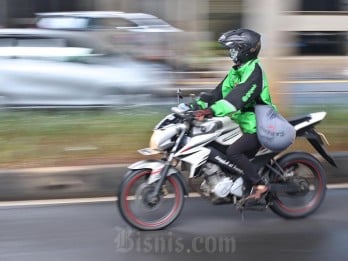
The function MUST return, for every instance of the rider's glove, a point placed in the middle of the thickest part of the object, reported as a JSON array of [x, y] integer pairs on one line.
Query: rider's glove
[[201, 114]]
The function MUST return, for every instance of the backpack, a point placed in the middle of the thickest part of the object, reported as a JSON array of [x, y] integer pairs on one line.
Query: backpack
[[273, 130]]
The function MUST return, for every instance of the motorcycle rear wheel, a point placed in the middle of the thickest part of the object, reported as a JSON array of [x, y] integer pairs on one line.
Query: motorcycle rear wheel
[[306, 171], [136, 208]]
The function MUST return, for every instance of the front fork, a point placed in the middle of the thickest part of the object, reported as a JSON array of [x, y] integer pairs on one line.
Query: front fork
[[167, 165], [155, 195], [160, 170]]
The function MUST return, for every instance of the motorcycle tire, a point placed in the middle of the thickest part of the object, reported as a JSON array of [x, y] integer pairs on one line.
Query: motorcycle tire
[[133, 195], [301, 165]]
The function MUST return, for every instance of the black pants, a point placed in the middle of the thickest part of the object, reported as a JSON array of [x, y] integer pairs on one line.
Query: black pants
[[238, 153]]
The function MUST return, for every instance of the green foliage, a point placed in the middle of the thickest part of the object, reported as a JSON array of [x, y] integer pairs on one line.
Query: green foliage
[[49, 138], [61, 138]]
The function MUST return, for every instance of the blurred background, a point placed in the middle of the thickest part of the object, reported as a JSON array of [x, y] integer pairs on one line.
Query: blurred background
[[84, 81]]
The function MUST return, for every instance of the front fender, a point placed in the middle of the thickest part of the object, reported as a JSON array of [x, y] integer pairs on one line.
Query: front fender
[[147, 164], [156, 167]]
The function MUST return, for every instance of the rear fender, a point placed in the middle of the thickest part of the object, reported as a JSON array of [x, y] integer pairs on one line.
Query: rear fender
[[316, 141], [156, 167]]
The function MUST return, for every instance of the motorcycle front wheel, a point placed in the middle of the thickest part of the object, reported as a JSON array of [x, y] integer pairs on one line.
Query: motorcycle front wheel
[[307, 173], [137, 207]]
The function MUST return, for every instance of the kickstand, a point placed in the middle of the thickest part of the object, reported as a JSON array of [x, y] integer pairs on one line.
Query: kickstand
[[240, 208], [242, 217]]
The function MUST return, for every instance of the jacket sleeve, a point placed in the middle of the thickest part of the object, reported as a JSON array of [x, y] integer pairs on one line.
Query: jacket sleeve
[[217, 92], [241, 95], [216, 95]]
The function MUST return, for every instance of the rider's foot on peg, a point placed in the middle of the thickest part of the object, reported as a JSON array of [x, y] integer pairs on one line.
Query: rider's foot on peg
[[257, 191]]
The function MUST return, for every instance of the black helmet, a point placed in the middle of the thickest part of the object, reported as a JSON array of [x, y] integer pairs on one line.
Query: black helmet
[[244, 44]]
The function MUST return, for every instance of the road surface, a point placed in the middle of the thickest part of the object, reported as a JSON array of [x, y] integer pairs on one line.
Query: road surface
[[95, 231]]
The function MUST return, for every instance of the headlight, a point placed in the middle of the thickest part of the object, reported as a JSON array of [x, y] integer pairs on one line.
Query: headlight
[[161, 138]]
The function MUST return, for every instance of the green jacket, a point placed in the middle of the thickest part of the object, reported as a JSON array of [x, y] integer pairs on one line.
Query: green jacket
[[237, 94]]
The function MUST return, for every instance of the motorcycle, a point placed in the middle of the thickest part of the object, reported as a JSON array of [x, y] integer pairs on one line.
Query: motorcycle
[[152, 193]]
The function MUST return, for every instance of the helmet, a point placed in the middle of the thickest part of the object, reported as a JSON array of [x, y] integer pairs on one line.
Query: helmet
[[244, 44]]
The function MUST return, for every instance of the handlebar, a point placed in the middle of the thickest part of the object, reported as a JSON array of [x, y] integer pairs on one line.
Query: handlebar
[[183, 114]]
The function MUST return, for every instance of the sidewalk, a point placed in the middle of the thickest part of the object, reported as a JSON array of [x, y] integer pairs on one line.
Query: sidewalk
[[95, 181]]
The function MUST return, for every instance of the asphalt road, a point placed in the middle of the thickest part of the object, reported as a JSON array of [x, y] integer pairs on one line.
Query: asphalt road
[[95, 231]]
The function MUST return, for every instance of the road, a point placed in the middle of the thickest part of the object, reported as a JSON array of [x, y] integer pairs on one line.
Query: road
[[95, 231]]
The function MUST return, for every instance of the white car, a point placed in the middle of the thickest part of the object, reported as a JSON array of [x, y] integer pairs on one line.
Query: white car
[[39, 69], [144, 36], [97, 20]]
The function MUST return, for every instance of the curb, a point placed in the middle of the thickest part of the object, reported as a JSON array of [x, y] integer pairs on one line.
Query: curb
[[60, 182], [96, 181]]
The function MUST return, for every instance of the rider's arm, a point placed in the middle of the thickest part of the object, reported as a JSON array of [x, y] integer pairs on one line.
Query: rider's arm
[[241, 95], [216, 95]]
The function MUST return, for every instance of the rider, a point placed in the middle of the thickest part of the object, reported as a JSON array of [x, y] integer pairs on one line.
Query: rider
[[244, 86]]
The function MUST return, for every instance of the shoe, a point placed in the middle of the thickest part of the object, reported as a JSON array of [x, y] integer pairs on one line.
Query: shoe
[[257, 191]]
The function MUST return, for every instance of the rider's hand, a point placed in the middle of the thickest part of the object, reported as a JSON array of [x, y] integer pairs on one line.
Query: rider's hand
[[201, 114]]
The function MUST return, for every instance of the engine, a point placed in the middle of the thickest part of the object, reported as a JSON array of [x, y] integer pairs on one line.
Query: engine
[[217, 184]]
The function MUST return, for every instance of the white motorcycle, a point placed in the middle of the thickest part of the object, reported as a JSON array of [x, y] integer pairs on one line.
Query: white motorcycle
[[152, 193]]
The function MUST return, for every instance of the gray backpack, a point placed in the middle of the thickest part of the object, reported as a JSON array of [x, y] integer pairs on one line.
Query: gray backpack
[[274, 132]]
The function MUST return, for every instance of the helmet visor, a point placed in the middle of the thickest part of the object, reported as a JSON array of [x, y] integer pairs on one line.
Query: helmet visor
[[234, 54]]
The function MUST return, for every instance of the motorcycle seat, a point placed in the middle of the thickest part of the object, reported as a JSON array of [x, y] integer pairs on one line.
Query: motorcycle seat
[[298, 119]]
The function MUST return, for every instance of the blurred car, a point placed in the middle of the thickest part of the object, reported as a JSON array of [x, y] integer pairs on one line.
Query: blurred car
[[321, 43], [129, 31], [42, 68], [97, 20]]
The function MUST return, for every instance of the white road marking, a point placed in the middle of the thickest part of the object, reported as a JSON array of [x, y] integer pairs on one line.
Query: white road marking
[[52, 202], [45, 202]]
